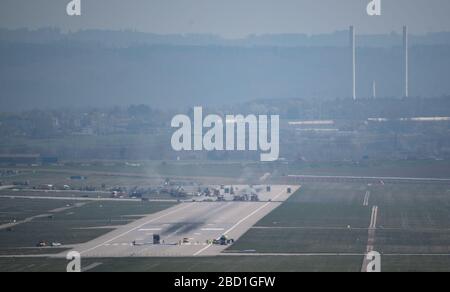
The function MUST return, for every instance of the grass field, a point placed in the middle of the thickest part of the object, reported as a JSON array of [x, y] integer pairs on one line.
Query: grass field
[[233, 264], [72, 226], [154, 168], [19, 209], [60, 176], [413, 219], [314, 220], [202, 264], [416, 263], [413, 223]]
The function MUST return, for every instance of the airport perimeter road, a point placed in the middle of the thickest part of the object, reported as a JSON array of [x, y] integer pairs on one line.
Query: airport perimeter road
[[84, 199], [367, 179], [196, 221]]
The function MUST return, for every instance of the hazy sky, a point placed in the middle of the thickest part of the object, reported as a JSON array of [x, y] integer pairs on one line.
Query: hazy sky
[[229, 18]]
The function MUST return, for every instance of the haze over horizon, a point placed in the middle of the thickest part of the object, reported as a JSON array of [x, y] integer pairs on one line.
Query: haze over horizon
[[229, 19], [45, 69]]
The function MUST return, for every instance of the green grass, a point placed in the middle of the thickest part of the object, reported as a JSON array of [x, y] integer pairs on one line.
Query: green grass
[[200, 264], [225, 169], [314, 220], [412, 206], [285, 240], [317, 215], [65, 232], [77, 225], [412, 219], [31, 251], [19, 209], [233, 264], [415, 264], [60, 176], [322, 205], [412, 242]]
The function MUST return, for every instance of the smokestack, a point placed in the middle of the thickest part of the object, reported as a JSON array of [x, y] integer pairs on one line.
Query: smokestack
[[374, 89], [353, 48], [406, 60]]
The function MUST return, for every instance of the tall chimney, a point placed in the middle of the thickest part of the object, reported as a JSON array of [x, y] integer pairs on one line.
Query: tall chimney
[[353, 48], [406, 60], [374, 89]]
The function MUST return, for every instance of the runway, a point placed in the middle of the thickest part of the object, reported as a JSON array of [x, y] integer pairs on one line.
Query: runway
[[367, 179], [196, 221]]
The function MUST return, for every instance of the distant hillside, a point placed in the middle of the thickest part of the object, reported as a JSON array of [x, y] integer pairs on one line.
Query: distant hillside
[[38, 71]]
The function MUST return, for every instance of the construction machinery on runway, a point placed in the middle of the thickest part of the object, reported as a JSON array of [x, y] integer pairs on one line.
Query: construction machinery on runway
[[223, 240]]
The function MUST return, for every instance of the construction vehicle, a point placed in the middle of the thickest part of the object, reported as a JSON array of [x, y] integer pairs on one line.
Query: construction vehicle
[[41, 244], [223, 240]]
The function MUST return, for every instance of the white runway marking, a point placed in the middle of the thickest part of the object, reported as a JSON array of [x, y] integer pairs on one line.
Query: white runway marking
[[373, 219], [150, 229], [366, 199]]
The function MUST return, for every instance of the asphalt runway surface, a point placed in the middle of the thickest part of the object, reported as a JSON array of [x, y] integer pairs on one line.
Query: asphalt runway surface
[[198, 222]]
